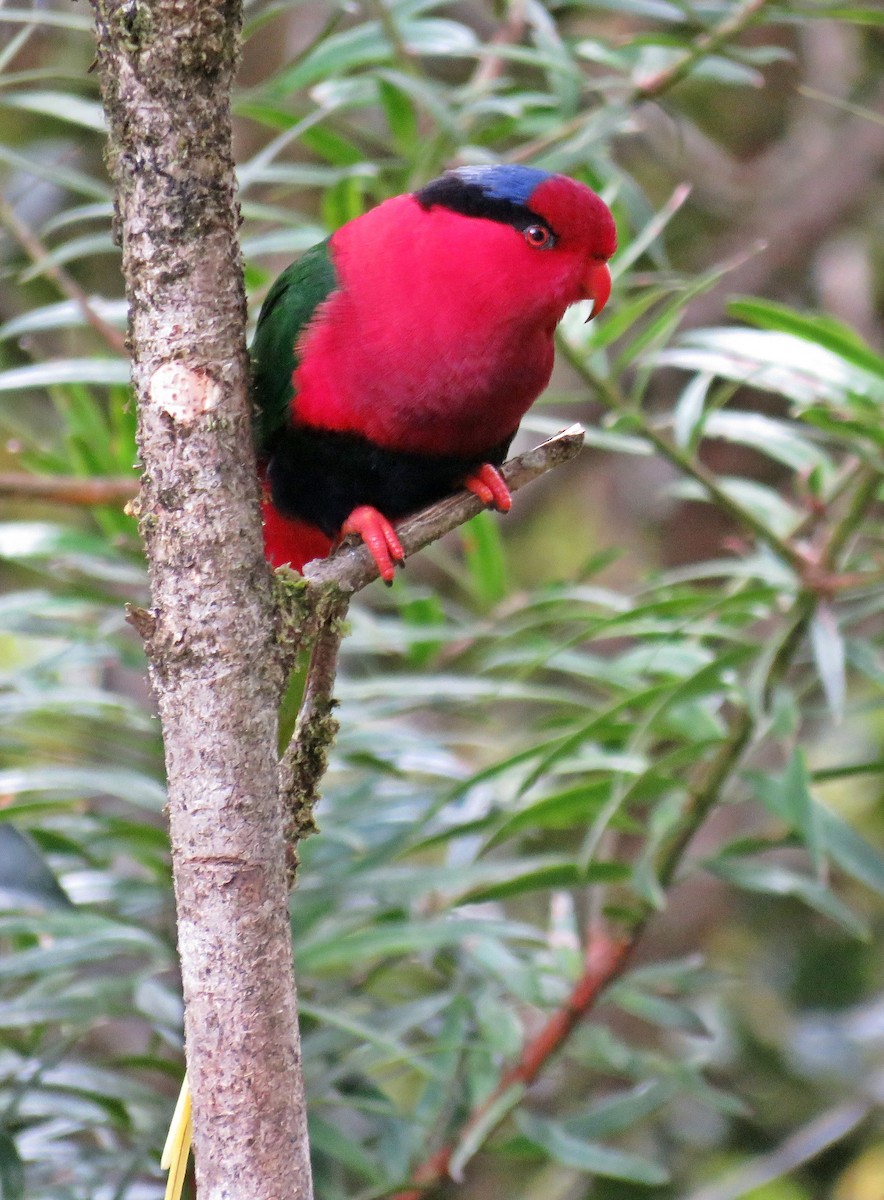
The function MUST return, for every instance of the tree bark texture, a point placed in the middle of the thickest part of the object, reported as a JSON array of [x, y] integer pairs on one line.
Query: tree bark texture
[[166, 69]]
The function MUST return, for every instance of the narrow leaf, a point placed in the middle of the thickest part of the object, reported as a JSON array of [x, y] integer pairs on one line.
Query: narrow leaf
[[775, 879], [563, 1147], [12, 1171], [789, 797], [478, 1132]]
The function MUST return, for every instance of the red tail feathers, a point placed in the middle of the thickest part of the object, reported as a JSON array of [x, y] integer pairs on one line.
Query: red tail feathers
[[291, 543]]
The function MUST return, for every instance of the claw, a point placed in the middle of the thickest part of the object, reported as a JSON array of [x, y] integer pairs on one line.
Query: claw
[[488, 484], [379, 536]]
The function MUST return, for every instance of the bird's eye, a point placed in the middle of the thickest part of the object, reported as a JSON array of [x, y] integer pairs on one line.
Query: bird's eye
[[539, 236]]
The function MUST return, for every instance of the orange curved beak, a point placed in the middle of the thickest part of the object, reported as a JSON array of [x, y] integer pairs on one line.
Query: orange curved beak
[[598, 287]]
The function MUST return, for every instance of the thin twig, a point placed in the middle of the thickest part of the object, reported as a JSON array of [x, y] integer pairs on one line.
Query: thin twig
[[70, 489], [66, 284], [654, 87], [704, 45]]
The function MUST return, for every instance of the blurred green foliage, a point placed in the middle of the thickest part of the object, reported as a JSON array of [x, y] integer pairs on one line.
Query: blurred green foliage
[[532, 726]]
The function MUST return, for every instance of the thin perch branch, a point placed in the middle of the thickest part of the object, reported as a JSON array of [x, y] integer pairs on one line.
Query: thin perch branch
[[352, 568]]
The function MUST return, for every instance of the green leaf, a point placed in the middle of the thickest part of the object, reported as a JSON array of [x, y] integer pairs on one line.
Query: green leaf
[[600, 437], [779, 440], [478, 1131], [651, 232], [325, 1138], [361, 46], [408, 937], [367, 45], [789, 797], [532, 879], [621, 1112], [726, 71], [858, 14], [67, 314], [687, 417], [96, 944], [68, 549], [105, 1000], [763, 502], [684, 975], [608, 328], [568, 808], [62, 176], [806, 372], [64, 106], [426, 97], [127, 784], [657, 1010], [400, 113], [501, 1027], [484, 557], [775, 879], [12, 1171], [40, 16], [404, 1019], [424, 615], [655, 10], [448, 1053], [25, 877], [256, 168], [104, 371], [850, 851], [86, 247], [332, 146], [821, 330], [563, 1147]]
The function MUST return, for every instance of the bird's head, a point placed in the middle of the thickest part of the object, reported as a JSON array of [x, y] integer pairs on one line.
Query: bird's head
[[554, 232]]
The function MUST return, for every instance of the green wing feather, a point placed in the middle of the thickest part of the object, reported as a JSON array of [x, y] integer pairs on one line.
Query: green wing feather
[[285, 313]]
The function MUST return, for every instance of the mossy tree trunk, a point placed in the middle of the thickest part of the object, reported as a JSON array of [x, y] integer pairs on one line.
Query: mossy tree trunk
[[166, 70]]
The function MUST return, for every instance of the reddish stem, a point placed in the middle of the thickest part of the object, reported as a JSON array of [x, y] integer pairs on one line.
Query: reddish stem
[[605, 959]]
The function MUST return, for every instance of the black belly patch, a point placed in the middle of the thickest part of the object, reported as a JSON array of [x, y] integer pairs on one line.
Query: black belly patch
[[321, 475]]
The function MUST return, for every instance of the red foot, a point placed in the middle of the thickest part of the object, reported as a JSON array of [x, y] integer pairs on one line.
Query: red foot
[[487, 483], [380, 538]]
